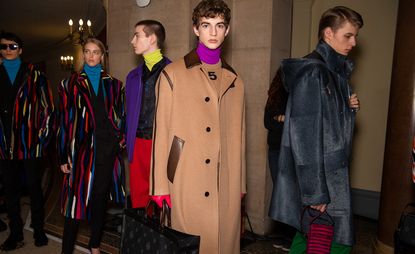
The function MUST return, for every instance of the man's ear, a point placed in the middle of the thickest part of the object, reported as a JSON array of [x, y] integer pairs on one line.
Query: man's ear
[[196, 31], [328, 34], [153, 39], [227, 30], [20, 51]]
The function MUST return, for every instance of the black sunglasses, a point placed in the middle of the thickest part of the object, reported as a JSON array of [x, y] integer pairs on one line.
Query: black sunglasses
[[10, 46]]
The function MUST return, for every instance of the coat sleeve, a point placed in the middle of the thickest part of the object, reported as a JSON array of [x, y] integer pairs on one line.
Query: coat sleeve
[[62, 138], [270, 123], [120, 109], [306, 135], [159, 183], [46, 110], [243, 147]]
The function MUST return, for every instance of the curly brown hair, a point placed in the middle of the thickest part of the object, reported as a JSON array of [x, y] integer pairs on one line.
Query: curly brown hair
[[211, 9]]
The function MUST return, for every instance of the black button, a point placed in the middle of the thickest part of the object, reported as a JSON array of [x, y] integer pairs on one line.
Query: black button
[[208, 129], [207, 161], [207, 194], [207, 99]]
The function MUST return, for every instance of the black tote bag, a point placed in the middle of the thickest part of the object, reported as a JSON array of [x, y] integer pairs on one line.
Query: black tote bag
[[148, 231], [145, 234]]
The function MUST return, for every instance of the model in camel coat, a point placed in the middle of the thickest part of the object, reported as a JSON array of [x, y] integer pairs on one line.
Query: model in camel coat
[[199, 152]]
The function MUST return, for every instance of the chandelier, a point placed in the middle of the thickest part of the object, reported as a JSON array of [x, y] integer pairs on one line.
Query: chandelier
[[79, 34], [67, 63]]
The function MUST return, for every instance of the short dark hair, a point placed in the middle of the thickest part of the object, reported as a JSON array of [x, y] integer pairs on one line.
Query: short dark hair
[[336, 16], [211, 9], [153, 27], [12, 37]]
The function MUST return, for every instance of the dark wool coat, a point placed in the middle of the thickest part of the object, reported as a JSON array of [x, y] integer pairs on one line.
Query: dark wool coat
[[33, 115], [316, 143], [133, 96], [76, 139]]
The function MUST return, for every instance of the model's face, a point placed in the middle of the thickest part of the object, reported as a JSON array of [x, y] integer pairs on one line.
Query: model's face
[[342, 40], [141, 42], [211, 31], [92, 54], [9, 49]]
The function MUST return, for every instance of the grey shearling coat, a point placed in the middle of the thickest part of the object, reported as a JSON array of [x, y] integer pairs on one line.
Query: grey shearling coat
[[316, 143]]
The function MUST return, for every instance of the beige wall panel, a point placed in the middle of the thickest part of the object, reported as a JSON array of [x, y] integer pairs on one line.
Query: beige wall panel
[[120, 4], [261, 37], [301, 28], [254, 31], [118, 64], [121, 58]]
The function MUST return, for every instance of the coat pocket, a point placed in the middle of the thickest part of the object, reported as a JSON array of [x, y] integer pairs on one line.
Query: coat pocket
[[174, 157]]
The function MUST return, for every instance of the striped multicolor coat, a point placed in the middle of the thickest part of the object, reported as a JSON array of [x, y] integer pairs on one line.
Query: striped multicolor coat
[[76, 140], [33, 117]]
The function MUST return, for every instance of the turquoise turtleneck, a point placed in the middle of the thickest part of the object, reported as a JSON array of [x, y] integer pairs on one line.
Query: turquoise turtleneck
[[12, 67], [94, 75]]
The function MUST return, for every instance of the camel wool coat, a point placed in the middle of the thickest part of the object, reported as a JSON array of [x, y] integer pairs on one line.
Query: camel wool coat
[[199, 152]]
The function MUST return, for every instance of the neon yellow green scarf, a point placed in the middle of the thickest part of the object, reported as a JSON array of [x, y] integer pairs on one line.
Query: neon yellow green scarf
[[152, 58]]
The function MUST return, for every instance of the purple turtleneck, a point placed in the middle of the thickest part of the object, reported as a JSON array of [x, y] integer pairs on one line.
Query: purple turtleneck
[[207, 55]]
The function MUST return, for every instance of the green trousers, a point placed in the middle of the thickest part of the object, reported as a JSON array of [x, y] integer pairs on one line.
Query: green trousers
[[299, 246]]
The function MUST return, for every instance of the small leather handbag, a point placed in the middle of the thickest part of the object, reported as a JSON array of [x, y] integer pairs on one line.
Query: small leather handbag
[[320, 231]]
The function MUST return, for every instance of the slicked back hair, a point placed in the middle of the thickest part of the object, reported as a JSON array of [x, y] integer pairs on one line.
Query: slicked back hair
[[335, 18]]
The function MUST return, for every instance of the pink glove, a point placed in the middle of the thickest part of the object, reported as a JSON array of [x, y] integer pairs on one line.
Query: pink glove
[[159, 200]]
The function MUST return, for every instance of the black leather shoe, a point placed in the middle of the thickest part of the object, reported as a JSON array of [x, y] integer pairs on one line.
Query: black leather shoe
[[12, 243], [3, 226], [40, 238]]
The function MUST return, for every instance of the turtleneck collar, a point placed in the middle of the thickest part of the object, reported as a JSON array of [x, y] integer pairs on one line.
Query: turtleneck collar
[[94, 70], [207, 55], [12, 67], [94, 75], [336, 62], [152, 58]]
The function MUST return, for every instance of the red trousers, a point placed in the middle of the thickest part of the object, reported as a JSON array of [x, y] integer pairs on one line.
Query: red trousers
[[140, 173]]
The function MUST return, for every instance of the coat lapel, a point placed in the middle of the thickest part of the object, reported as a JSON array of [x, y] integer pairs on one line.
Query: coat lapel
[[228, 82]]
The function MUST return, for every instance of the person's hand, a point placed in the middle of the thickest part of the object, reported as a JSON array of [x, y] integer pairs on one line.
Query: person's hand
[[122, 145], [66, 168], [159, 200], [354, 102], [279, 118], [320, 207]]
